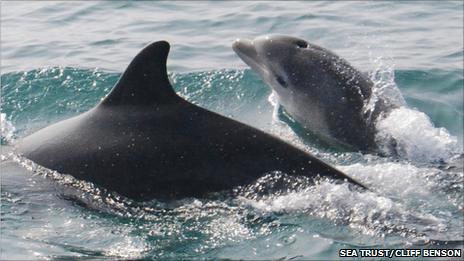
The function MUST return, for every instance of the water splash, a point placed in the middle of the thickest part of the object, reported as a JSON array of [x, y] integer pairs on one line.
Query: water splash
[[368, 213], [274, 101], [402, 131], [7, 130], [385, 88], [416, 137]]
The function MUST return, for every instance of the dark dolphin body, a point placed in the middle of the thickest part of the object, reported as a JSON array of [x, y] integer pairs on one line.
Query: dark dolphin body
[[144, 142], [317, 88]]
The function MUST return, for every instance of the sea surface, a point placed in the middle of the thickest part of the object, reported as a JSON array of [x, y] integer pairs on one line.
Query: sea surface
[[59, 59]]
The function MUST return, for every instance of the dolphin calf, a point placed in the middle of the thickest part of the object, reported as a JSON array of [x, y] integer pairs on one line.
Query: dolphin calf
[[317, 88], [143, 141]]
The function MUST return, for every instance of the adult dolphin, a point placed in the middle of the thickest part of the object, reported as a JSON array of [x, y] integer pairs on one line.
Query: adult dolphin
[[144, 141], [317, 88]]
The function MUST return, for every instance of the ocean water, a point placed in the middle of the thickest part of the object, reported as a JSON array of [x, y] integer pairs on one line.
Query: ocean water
[[59, 59]]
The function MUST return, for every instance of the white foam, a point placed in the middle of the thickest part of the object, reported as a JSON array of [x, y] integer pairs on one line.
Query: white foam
[[366, 212], [416, 137], [6, 128], [128, 248], [397, 179], [274, 101], [407, 200]]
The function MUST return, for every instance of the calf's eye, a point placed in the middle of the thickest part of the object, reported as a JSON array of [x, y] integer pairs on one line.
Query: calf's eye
[[281, 81], [301, 44]]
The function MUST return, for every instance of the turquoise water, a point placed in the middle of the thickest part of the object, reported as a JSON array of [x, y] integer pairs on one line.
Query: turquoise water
[[60, 58]]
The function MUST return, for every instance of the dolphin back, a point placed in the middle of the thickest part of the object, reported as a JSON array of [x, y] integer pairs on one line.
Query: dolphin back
[[143, 141]]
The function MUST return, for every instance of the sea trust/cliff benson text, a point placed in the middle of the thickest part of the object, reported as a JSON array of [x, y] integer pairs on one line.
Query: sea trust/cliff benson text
[[347, 252]]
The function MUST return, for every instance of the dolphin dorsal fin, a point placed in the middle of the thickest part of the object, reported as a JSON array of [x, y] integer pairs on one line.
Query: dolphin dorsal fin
[[145, 81]]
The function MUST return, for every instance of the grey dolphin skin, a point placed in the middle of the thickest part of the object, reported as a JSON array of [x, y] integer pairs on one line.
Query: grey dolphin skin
[[317, 88], [144, 141]]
